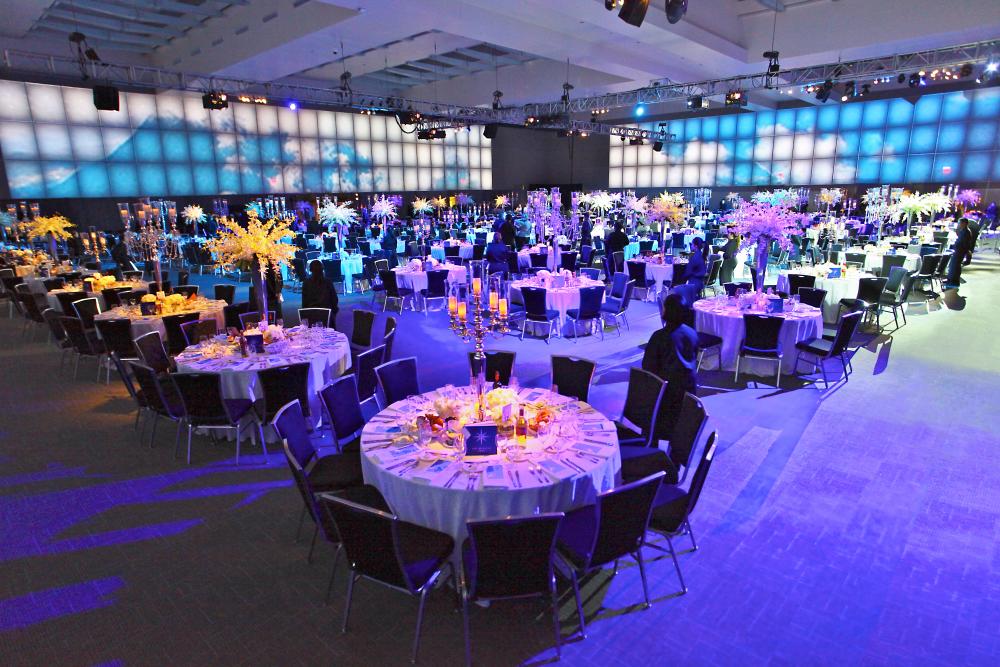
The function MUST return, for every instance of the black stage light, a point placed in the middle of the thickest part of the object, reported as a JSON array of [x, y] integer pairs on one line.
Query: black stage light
[[215, 101], [106, 98], [823, 92], [633, 12], [636, 142], [676, 9], [658, 146], [490, 131], [696, 102], [773, 66]]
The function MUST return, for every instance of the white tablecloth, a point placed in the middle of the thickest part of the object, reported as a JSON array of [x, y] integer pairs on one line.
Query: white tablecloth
[[727, 323], [660, 272], [143, 324], [556, 298], [351, 265], [53, 296], [464, 251], [524, 257], [328, 352], [572, 477], [873, 259], [417, 280], [836, 289]]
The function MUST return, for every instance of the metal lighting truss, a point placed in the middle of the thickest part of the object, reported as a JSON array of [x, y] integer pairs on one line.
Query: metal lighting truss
[[554, 115]]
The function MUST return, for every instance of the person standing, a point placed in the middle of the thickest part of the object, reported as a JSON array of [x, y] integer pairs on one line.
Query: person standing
[[975, 226], [586, 230], [962, 247], [672, 355], [616, 241], [318, 291], [729, 252], [507, 232]]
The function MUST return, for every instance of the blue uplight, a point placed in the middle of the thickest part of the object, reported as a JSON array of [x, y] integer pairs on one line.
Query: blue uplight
[[640, 110]]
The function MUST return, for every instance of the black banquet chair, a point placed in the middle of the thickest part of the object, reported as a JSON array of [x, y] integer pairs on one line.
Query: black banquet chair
[[672, 508], [205, 408], [364, 370], [812, 296], [313, 316], [149, 348], [536, 312], [613, 527], [383, 548], [761, 340], [160, 397], [84, 342], [362, 322], [589, 310], [398, 379], [224, 292], [821, 349], [280, 385], [343, 406], [572, 376], [176, 340], [510, 558], [642, 407]]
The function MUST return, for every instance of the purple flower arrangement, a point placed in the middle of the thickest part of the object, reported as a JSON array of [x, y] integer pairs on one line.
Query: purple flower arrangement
[[759, 221]]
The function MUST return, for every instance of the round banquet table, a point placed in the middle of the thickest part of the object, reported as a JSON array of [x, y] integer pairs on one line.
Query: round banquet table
[[578, 459], [524, 257], [327, 351], [143, 324], [718, 316], [351, 264], [36, 283], [417, 279], [53, 296], [556, 298], [845, 287], [464, 251], [661, 272]]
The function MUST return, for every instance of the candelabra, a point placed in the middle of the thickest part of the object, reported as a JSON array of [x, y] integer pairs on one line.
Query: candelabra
[[491, 321]]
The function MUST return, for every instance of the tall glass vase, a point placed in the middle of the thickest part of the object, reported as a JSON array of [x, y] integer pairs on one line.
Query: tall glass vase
[[257, 279], [760, 264]]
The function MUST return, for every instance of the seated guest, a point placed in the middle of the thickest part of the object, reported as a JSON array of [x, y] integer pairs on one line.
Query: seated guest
[[672, 355], [318, 291], [496, 255]]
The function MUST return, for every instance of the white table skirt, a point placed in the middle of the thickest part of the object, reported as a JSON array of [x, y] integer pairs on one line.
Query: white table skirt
[[728, 325], [836, 289], [659, 272], [351, 265], [143, 324], [327, 351], [464, 252], [524, 258], [428, 502], [417, 280], [556, 298]]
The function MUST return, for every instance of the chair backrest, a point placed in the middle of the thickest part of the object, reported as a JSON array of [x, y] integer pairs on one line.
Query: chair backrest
[[437, 283], [342, 403], [904, 293], [534, 301], [928, 263], [623, 518], [333, 270], [66, 300], [895, 278], [365, 366], [812, 296], [762, 333], [496, 362], [283, 384], [183, 277], [51, 317], [224, 292], [701, 472], [629, 289], [586, 254], [152, 390], [856, 257], [642, 400], [362, 323], [636, 271], [943, 261], [870, 289], [572, 376], [86, 309], [398, 379], [186, 290], [479, 248], [799, 280], [311, 316], [512, 557], [126, 375], [176, 340], [152, 353], [77, 334], [369, 536], [892, 261], [201, 394], [618, 282], [231, 314], [388, 278], [691, 420], [845, 331], [53, 283], [538, 260], [592, 273], [117, 336], [451, 251], [591, 299], [195, 331], [567, 261], [290, 425]]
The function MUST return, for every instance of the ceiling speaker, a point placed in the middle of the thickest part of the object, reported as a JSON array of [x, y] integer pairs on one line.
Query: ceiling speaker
[[106, 98], [633, 12], [676, 9]]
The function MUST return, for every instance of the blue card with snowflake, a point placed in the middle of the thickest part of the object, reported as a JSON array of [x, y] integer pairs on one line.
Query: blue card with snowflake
[[481, 439]]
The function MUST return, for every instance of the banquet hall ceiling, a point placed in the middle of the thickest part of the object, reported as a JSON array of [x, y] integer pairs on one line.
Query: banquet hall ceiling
[[460, 51]]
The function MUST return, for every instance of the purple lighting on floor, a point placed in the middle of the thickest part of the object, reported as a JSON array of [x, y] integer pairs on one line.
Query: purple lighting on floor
[[33, 608]]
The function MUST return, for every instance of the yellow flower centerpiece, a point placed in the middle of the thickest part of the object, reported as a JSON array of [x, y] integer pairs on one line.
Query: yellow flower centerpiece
[[99, 282], [257, 247], [54, 227]]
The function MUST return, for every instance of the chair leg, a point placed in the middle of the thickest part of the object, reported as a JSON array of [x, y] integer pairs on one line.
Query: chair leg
[[642, 575], [190, 430], [555, 619], [579, 605], [347, 606], [701, 355], [466, 630], [312, 545], [736, 378], [152, 435], [694, 545], [677, 565], [777, 383], [336, 559], [420, 620]]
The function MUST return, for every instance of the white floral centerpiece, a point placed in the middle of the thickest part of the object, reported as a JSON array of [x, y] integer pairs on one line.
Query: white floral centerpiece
[[337, 215], [383, 208], [761, 224], [193, 214], [422, 205]]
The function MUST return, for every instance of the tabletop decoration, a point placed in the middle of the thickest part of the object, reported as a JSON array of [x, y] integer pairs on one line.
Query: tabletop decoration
[[257, 247], [762, 224], [439, 202], [422, 205], [383, 208], [194, 214], [966, 199], [51, 227], [913, 206], [502, 201], [337, 215]]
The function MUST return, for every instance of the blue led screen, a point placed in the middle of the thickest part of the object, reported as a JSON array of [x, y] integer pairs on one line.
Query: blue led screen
[[946, 137], [56, 144]]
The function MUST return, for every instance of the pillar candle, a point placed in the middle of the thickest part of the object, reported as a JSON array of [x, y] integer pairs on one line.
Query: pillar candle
[[503, 307], [452, 304], [462, 311], [477, 286], [494, 300]]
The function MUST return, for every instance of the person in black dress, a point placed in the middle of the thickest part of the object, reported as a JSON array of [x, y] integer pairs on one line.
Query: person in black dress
[[729, 252], [318, 291], [616, 241], [672, 355]]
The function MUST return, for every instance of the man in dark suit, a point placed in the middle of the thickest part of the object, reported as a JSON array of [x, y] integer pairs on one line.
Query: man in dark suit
[[975, 225], [729, 252], [585, 230], [507, 232], [616, 241], [962, 247]]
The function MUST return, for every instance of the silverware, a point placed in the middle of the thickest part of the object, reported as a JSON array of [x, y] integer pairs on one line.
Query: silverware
[[399, 464], [454, 477], [406, 469], [571, 464]]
